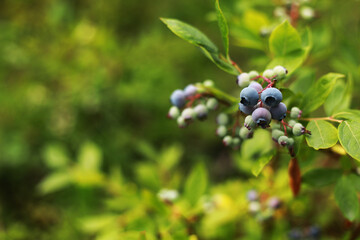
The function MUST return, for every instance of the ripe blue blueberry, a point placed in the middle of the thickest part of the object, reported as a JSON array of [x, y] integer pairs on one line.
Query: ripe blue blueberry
[[221, 131], [174, 112], [249, 122], [280, 72], [257, 86], [298, 129], [201, 111], [190, 90], [245, 109], [227, 140], [245, 133], [177, 98], [295, 112], [262, 117], [278, 112], [252, 195], [271, 97], [222, 119], [188, 114], [243, 80], [249, 97]]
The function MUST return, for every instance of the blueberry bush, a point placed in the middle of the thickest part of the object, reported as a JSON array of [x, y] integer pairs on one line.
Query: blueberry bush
[[113, 128]]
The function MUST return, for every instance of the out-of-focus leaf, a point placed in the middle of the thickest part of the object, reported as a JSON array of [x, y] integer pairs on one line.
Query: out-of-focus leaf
[[224, 29], [317, 94], [349, 114], [323, 134], [55, 156], [196, 184], [54, 182], [170, 156], [90, 157], [346, 198], [340, 97], [97, 223], [321, 177], [349, 136]]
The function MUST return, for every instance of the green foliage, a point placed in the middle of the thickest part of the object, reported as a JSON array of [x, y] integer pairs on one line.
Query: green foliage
[[349, 136], [224, 29], [346, 198], [321, 177], [196, 183], [323, 134]]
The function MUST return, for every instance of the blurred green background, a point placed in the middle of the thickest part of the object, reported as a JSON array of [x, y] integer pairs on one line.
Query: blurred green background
[[85, 145]]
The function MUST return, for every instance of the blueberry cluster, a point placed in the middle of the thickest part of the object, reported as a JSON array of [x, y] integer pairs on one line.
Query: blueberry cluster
[[263, 104], [182, 101], [262, 206]]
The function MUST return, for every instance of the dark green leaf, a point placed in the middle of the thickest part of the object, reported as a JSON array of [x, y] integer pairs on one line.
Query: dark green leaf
[[224, 29], [355, 181], [317, 95], [349, 136], [346, 198], [197, 38], [323, 134], [196, 184], [321, 177]]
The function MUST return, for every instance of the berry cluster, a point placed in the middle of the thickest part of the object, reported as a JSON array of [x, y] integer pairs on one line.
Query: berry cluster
[[260, 101], [182, 101], [262, 104], [262, 206]]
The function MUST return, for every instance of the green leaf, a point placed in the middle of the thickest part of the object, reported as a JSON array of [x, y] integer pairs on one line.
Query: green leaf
[[346, 198], [224, 29], [318, 93], [258, 150], [287, 48], [321, 177], [170, 156], [196, 184], [349, 114], [340, 98], [197, 38], [355, 181], [349, 136], [90, 157], [54, 182], [323, 134], [190, 34], [55, 156], [284, 39]]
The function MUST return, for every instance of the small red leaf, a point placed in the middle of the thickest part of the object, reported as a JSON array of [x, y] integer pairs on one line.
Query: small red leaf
[[294, 176]]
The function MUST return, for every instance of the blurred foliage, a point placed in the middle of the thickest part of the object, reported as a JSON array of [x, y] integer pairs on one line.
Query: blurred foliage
[[85, 144]]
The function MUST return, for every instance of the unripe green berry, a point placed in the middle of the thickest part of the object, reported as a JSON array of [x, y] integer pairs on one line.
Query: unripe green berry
[[181, 122], [283, 141], [227, 140], [221, 131], [269, 73], [295, 112], [236, 142], [291, 142], [298, 129], [188, 114], [174, 112], [292, 123], [280, 72], [253, 74], [222, 119], [276, 134], [212, 103], [245, 133], [249, 122], [209, 83], [243, 80]]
